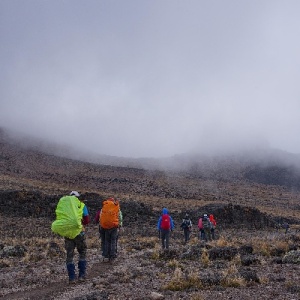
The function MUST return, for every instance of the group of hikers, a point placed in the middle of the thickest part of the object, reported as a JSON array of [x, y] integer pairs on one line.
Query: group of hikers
[[72, 215], [206, 226], [165, 225]]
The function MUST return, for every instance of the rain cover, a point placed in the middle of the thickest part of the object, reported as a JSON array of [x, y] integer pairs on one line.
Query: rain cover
[[69, 212]]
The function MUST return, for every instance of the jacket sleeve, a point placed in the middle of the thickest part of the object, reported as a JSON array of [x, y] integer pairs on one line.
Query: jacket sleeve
[[85, 216], [96, 220], [120, 218], [158, 223], [172, 223]]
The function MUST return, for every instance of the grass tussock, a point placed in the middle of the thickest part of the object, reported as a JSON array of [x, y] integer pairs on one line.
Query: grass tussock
[[232, 278], [181, 281], [224, 241], [205, 258], [174, 264], [32, 250], [272, 247]]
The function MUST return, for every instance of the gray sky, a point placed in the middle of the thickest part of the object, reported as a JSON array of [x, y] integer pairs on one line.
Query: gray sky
[[151, 78]]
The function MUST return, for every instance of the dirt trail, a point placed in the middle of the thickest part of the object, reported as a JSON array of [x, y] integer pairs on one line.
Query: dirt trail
[[58, 287]]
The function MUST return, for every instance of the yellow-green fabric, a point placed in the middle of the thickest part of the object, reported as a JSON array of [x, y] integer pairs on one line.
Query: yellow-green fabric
[[69, 212]]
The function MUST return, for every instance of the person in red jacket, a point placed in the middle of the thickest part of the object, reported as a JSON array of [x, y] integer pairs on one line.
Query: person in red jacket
[[213, 225]]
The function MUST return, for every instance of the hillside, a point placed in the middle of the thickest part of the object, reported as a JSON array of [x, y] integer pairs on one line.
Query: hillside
[[268, 184], [252, 257]]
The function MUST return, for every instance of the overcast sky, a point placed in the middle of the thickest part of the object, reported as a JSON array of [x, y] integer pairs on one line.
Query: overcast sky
[[149, 78]]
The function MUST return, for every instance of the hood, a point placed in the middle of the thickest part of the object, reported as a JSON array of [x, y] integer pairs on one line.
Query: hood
[[164, 211]]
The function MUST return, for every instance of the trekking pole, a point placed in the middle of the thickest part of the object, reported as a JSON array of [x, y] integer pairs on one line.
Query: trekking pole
[[118, 232]]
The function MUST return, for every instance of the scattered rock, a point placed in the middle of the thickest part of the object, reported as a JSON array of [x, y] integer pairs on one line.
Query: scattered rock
[[246, 249], [249, 275], [8, 251], [156, 296], [227, 253], [247, 260], [292, 257]]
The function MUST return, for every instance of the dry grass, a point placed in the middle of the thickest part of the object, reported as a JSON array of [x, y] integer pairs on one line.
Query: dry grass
[[232, 277], [143, 261], [205, 258], [270, 247], [181, 281], [174, 264]]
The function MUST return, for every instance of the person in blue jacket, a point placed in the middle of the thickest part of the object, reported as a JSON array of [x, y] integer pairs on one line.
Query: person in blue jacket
[[165, 225]]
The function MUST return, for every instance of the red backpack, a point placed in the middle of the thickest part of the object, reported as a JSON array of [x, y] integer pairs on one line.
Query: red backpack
[[165, 222]]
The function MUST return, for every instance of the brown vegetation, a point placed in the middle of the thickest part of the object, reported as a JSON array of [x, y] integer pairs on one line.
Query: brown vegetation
[[250, 259]]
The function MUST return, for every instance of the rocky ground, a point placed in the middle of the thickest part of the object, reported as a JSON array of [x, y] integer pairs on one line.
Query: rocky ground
[[243, 263], [250, 259]]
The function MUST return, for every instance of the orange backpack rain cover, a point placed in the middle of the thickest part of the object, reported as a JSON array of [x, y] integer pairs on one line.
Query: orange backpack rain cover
[[109, 216]]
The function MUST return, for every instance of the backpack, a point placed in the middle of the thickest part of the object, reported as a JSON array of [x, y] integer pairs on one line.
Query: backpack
[[165, 222], [186, 223], [69, 213], [206, 223], [213, 223], [109, 216]]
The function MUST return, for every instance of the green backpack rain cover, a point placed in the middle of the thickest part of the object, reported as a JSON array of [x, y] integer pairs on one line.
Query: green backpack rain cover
[[69, 212]]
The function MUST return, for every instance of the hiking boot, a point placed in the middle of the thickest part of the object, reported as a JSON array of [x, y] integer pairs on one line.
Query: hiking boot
[[81, 278], [105, 259], [82, 268], [112, 259], [71, 272], [72, 281]]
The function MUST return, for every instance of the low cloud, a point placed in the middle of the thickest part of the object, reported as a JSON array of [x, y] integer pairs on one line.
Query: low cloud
[[155, 79]]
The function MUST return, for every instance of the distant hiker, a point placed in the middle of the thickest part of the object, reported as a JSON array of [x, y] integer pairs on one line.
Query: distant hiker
[[71, 215], [186, 226], [110, 221], [204, 226], [286, 226], [165, 225], [213, 225], [201, 230]]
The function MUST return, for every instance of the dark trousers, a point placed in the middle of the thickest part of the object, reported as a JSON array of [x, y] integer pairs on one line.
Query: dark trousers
[[207, 234], [213, 233], [110, 243], [165, 237], [187, 233], [79, 243], [202, 234]]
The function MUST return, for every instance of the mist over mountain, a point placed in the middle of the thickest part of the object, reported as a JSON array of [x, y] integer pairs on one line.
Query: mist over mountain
[[265, 166]]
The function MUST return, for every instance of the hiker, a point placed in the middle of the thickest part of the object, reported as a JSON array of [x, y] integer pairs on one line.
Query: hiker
[[204, 226], [213, 225], [71, 217], [110, 221], [165, 225], [201, 230], [186, 226], [286, 226]]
